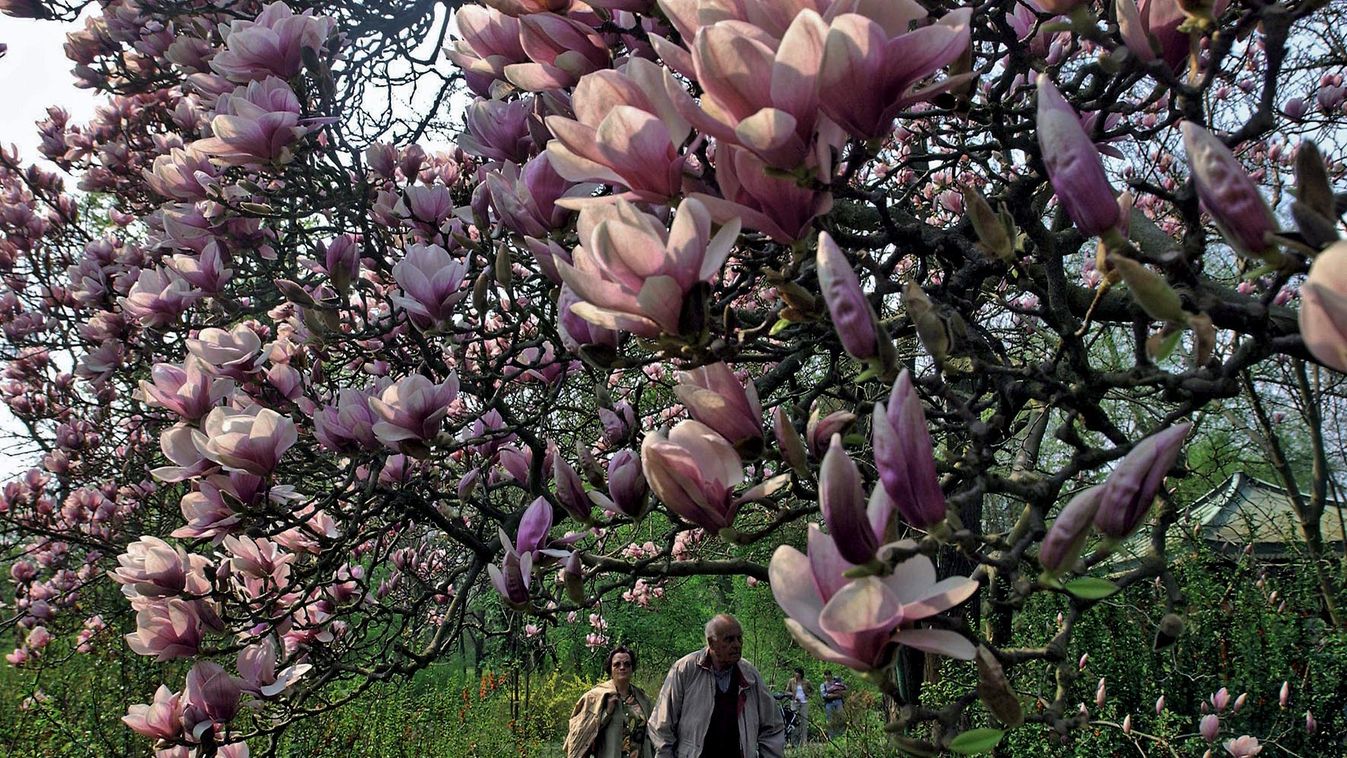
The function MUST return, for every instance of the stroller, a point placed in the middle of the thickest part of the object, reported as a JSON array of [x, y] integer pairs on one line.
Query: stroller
[[789, 716]]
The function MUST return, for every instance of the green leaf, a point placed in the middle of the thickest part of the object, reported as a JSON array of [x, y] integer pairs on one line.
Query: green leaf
[[1091, 588], [975, 741]]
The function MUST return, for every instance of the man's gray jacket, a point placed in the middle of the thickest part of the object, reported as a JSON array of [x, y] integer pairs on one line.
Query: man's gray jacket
[[683, 711]]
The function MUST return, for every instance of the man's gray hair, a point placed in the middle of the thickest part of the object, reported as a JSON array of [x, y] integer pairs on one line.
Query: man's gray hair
[[718, 620]]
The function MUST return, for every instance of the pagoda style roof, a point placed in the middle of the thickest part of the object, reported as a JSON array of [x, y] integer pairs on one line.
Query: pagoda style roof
[[1240, 512]]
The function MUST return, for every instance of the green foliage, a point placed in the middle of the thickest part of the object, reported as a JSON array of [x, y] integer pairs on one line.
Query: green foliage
[[1235, 637], [72, 704]]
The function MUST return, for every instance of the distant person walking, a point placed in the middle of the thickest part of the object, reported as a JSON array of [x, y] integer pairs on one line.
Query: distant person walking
[[798, 689], [715, 705], [610, 720], [833, 689]]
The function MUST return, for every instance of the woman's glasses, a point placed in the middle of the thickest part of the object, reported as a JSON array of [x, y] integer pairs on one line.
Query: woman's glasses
[[621, 664]]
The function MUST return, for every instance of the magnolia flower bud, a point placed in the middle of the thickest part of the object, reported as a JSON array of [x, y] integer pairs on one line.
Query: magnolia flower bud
[[1228, 193], [905, 458], [1284, 696], [1066, 537], [1129, 491], [1073, 164], [573, 575], [842, 500], [1323, 307], [789, 442], [852, 316], [1159, 705], [1210, 727], [1127, 725]]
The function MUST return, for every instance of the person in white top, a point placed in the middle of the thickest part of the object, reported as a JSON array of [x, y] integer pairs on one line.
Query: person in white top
[[798, 687]]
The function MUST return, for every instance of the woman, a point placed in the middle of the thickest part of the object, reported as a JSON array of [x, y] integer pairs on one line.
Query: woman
[[609, 721], [798, 690]]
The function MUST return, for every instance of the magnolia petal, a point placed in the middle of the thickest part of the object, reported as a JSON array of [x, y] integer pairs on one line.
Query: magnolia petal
[[938, 641]]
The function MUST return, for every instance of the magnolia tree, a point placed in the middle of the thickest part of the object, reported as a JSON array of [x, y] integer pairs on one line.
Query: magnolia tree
[[322, 381]]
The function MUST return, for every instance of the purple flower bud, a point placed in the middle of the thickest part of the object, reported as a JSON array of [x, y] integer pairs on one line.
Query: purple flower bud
[[534, 526], [570, 490], [1131, 488], [905, 456], [788, 441], [626, 483], [1101, 693], [1311, 726], [1227, 192], [1066, 537], [1284, 696], [842, 500], [1221, 699], [1210, 727], [819, 431], [1073, 164], [851, 313], [1159, 705]]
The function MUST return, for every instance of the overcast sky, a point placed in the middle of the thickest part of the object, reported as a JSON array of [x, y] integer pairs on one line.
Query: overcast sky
[[33, 75]]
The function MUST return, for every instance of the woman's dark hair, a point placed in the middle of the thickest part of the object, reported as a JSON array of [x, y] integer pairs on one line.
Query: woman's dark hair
[[799, 672], [608, 662]]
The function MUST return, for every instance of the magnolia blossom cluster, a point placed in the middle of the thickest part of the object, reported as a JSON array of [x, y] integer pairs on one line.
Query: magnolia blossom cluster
[[349, 377]]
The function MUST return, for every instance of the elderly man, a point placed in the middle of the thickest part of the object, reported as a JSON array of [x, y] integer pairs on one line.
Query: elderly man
[[715, 705]]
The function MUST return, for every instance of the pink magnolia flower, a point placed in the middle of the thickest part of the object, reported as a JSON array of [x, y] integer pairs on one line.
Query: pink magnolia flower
[[513, 578], [257, 670], [161, 719], [348, 425], [905, 456], [188, 390], [490, 43], [762, 92], [158, 297], [235, 353], [167, 629], [525, 199], [628, 491], [855, 623], [152, 568], [271, 45], [1209, 727], [891, 58], [1323, 307], [182, 174], [1243, 747], [498, 130], [561, 50], [1073, 164], [204, 270], [255, 124], [626, 132], [714, 396], [412, 409], [431, 282], [1227, 192], [693, 471], [252, 440], [257, 558], [777, 206], [632, 274], [1150, 29], [210, 698]]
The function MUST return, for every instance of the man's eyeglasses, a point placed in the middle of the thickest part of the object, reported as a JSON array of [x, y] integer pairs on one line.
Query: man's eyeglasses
[[621, 664]]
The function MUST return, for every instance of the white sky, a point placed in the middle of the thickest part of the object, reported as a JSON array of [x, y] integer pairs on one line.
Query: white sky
[[33, 75]]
